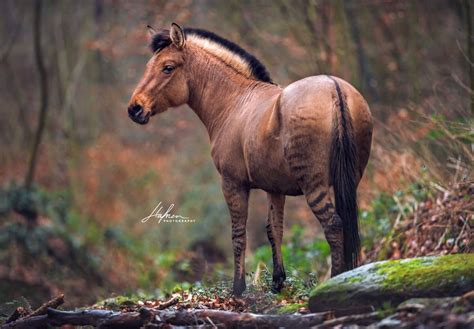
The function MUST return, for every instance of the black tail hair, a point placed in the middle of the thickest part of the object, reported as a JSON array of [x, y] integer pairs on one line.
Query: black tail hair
[[343, 176]]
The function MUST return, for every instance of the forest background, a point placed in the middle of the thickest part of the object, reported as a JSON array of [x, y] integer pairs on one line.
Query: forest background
[[76, 175]]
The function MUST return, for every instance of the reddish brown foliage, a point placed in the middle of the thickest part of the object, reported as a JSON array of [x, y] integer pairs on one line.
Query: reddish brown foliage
[[440, 225]]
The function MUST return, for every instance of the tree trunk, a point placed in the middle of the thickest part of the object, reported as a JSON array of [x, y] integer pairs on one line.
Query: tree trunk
[[364, 68], [43, 84], [390, 38]]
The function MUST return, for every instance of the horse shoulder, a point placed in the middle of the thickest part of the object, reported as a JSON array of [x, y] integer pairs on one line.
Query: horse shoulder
[[271, 121], [227, 153]]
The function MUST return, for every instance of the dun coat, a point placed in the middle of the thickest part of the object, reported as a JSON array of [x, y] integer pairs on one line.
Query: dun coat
[[310, 138]]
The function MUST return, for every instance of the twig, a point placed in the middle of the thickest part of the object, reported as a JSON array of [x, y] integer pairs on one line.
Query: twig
[[53, 303], [462, 230], [400, 207], [258, 271], [174, 300], [17, 313], [24, 313], [461, 84], [210, 321], [361, 319], [439, 187], [441, 239]]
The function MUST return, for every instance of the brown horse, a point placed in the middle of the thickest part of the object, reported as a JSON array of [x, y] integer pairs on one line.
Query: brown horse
[[310, 138]]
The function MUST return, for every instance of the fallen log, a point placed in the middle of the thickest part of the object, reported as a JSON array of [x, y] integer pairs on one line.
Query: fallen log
[[358, 319], [243, 320], [35, 322], [96, 318], [53, 303], [145, 316], [21, 312]]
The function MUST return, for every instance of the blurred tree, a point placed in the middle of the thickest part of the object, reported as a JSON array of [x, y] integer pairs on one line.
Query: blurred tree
[[44, 95], [14, 26], [470, 48], [365, 73], [390, 39]]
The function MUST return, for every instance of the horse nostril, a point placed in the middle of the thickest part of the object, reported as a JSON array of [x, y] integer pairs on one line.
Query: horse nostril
[[135, 110]]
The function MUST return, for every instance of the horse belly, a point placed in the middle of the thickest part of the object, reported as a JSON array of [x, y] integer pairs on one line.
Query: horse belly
[[269, 171]]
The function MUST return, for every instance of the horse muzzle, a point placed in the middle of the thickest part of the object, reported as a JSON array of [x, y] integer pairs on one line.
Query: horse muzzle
[[138, 114]]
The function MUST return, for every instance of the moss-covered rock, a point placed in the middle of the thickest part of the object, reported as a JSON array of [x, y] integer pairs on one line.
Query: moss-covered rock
[[391, 282]]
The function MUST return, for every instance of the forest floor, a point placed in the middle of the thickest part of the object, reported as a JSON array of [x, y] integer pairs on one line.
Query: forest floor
[[441, 224], [202, 311]]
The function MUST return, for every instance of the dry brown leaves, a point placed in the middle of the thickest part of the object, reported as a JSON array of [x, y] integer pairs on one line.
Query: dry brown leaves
[[440, 225], [187, 300]]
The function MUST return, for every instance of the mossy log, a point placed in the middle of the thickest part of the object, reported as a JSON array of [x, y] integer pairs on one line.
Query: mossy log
[[386, 283]]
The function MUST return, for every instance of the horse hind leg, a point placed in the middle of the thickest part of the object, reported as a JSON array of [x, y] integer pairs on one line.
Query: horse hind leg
[[312, 176], [323, 209]]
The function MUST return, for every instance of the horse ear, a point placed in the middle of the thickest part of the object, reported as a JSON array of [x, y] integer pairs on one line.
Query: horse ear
[[177, 35], [151, 32]]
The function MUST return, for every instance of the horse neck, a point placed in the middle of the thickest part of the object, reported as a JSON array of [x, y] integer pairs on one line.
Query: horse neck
[[216, 91]]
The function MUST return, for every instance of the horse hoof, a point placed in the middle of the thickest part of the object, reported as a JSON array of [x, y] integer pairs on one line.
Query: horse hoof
[[277, 286], [238, 288]]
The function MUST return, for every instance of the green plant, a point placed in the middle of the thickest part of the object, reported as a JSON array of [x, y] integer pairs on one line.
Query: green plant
[[386, 210], [302, 257]]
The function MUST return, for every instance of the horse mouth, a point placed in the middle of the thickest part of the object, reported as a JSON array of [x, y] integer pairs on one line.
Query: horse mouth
[[140, 119]]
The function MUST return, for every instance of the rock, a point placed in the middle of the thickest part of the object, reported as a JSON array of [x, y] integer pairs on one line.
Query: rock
[[388, 283], [390, 322], [423, 303], [410, 307]]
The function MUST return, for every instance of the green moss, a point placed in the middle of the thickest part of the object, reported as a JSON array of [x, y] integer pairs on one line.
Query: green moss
[[425, 272], [290, 308], [459, 309], [341, 284], [355, 279], [387, 308], [119, 302], [395, 281]]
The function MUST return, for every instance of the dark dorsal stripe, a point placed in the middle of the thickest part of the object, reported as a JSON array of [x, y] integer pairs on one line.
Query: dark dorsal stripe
[[259, 72]]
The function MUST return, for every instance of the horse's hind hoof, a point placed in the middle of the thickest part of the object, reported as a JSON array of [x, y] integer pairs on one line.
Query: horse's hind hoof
[[276, 287]]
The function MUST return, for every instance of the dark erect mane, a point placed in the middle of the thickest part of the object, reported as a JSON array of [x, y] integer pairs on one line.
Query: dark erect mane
[[259, 72]]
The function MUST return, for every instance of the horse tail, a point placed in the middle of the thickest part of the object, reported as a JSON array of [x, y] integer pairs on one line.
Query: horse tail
[[342, 169]]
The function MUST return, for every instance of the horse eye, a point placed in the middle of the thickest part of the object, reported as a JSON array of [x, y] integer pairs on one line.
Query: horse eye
[[168, 69]]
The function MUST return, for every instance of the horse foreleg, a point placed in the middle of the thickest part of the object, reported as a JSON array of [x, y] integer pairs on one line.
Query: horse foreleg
[[276, 204], [237, 202]]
